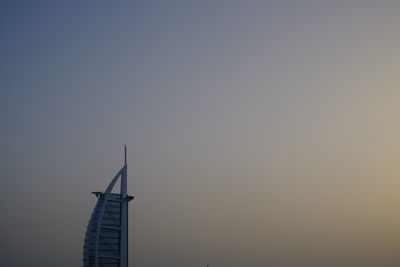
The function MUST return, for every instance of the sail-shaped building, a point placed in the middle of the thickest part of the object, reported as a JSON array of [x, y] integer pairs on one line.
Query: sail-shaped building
[[106, 240]]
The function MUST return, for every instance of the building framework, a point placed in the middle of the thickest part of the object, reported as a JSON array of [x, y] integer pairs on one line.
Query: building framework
[[106, 239]]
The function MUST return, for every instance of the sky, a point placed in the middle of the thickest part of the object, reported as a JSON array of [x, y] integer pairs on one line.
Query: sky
[[259, 133]]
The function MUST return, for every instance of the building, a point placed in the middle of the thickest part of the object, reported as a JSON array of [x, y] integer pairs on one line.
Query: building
[[106, 240]]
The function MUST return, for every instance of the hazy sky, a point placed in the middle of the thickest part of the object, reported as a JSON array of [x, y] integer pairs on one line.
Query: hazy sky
[[259, 133]]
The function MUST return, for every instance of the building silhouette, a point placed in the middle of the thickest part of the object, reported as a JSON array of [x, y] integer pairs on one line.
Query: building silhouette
[[106, 239]]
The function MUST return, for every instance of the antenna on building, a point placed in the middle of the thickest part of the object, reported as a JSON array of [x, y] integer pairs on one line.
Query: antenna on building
[[125, 154]]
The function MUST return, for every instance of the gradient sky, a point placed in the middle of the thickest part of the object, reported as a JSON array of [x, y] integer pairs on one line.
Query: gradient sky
[[259, 133]]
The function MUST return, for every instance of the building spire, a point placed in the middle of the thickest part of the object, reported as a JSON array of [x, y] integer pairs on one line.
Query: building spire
[[125, 154]]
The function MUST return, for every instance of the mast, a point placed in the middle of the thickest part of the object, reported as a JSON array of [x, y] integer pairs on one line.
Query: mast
[[124, 214], [124, 176]]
